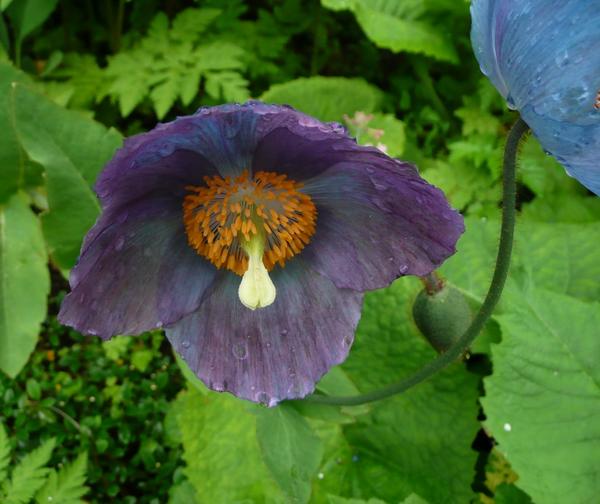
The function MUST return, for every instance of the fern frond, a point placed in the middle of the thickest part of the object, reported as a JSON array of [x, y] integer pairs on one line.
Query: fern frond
[[67, 486], [29, 475]]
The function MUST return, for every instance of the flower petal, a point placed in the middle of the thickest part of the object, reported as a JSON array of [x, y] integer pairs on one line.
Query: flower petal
[[543, 57], [215, 140], [273, 353], [136, 272], [378, 220]]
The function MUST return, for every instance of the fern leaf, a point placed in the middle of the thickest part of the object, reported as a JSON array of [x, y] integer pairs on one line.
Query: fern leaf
[[192, 22], [163, 97], [67, 486], [4, 454], [29, 475], [230, 86]]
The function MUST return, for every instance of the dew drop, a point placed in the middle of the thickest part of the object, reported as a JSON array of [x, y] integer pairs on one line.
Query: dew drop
[[263, 398], [507, 427], [119, 243], [284, 332], [403, 269], [240, 350], [320, 475], [370, 170], [186, 344]]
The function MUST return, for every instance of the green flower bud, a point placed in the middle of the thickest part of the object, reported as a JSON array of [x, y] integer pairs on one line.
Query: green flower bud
[[442, 317]]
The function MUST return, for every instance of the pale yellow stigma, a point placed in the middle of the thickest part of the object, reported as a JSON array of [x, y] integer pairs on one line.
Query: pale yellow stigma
[[256, 288]]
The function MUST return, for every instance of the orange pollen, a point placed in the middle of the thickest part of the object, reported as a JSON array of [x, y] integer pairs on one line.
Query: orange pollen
[[226, 213], [597, 104]]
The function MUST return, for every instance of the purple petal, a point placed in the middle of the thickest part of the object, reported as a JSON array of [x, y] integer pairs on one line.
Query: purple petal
[[136, 272], [378, 220], [273, 353]]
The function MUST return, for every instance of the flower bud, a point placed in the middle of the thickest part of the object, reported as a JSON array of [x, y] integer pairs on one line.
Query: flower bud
[[442, 317]]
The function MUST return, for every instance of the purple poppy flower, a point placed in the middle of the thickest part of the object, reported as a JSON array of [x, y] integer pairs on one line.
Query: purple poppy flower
[[250, 232], [544, 58]]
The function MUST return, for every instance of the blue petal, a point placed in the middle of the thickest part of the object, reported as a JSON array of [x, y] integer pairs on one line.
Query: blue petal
[[544, 57], [273, 353]]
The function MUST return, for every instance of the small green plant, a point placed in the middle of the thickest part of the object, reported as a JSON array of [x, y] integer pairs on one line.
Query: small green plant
[[31, 481]]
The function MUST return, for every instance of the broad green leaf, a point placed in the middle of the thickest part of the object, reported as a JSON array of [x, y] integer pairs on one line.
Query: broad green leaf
[[328, 98], [334, 499], [542, 401], [27, 15], [290, 449], [398, 26], [558, 257], [29, 475], [24, 283], [381, 130], [12, 159], [563, 207], [4, 454], [4, 4], [422, 435], [223, 458], [72, 149], [66, 486]]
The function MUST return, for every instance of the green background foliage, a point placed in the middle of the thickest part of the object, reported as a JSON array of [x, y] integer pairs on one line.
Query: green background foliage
[[515, 421]]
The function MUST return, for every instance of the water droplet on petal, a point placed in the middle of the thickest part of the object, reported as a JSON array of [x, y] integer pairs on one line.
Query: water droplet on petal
[[119, 243], [284, 332], [403, 269], [263, 398], [240, 350], [186, 344]]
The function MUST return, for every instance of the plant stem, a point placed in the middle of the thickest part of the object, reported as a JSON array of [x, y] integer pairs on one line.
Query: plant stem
[[509, 198]]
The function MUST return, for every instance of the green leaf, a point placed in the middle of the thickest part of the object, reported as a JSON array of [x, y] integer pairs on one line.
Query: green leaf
[[24, 283], [12, 159], [290, 449], [224, 461], [544, 254], [29, 475], [398, 26], [4, 4], [328, 98], [170, 62], [384, 131], [423, 434], [334, 499], [27, 15], [4, 454], [544, 395], [67, 486], [72, 149]]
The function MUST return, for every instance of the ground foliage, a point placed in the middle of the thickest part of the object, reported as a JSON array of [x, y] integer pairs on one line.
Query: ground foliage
[[123, 421]]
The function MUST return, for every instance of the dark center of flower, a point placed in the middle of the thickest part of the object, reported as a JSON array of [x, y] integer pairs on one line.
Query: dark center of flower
[[230, 221]]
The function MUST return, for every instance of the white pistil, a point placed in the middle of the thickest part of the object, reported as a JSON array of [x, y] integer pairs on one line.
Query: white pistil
[[256, 288]]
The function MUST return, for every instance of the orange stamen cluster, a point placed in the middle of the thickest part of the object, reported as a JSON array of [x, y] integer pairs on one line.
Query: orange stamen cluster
[[226, 213], [597, 104]]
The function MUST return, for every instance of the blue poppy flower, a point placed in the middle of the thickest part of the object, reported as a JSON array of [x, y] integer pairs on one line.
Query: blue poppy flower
[[544, 58], [250, 232]]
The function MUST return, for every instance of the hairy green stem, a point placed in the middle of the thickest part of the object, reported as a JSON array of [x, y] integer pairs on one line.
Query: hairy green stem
[[493, 296]]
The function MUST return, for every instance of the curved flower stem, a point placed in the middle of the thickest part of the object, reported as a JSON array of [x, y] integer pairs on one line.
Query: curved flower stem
[[491, 299]]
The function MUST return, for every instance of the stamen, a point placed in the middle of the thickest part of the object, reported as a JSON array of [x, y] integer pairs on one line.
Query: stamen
[[224, 218], [597, 104]]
